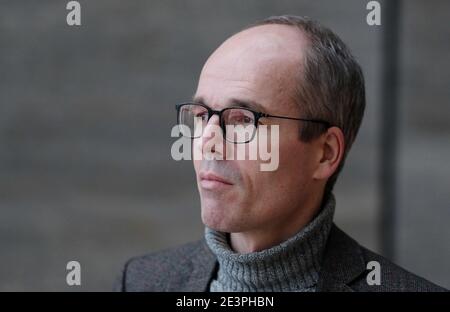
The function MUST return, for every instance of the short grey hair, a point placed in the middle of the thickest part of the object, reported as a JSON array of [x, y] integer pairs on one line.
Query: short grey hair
[[331, 84]]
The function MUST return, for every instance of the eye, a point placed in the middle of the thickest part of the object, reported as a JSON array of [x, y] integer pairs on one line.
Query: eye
[[199, 113], [239, 117], [203, 115]]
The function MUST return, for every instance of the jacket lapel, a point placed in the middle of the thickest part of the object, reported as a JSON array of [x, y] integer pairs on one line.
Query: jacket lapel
[[343, 262], [204, 266]]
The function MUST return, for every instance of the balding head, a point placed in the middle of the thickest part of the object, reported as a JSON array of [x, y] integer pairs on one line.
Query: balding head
[[264, 59]]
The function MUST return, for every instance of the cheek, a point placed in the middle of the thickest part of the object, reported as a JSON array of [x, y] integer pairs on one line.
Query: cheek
[[250, 179], [196, 149], [295, 161], [196, 164]]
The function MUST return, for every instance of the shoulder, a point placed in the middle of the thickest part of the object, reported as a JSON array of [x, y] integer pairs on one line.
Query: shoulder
[[155, 271], [345, 268], [393, 278]]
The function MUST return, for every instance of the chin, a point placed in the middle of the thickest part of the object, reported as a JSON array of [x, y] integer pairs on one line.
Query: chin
[[214, 220], [219, 220]]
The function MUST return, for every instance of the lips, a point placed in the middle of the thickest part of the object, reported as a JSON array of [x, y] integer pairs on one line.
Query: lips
[[210, 180]]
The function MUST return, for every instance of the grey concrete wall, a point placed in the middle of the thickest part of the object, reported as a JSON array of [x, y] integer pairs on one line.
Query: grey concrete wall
[[86, 113], [423, 235]]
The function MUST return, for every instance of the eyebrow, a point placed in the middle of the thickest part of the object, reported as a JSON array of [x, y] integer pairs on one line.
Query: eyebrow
[[234, 102]]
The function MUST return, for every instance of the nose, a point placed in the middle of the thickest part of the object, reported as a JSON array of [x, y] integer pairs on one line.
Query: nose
[[212, 138], [211, 127]]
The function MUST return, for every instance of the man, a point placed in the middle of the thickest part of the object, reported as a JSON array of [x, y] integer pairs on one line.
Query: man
[[272, 230]]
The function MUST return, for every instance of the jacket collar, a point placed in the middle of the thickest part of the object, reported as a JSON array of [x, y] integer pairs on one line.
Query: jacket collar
[[204, 267], [343, 262]]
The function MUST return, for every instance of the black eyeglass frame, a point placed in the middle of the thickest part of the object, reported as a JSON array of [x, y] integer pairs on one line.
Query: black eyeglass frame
[[257, 116]]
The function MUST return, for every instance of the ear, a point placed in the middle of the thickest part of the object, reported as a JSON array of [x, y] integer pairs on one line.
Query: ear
[[330, 153]]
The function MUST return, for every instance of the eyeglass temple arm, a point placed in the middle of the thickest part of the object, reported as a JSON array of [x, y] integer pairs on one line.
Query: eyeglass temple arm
[[292, 118]]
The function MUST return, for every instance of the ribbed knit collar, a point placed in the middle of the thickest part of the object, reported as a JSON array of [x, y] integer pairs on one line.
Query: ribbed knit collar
[[293, 265]]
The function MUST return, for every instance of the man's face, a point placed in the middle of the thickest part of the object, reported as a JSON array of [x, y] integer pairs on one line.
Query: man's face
[[258, 66]]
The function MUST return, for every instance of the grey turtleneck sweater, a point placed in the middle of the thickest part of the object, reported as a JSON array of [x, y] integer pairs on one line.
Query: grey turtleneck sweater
[[293, 265]]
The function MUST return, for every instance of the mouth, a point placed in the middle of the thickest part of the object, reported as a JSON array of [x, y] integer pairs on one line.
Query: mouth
[[209, 180]]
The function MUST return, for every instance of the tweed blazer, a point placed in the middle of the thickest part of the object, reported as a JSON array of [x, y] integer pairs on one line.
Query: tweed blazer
[[191, 267]]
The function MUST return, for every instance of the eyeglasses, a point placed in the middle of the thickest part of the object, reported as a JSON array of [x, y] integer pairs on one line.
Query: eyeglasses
[[238, 124]]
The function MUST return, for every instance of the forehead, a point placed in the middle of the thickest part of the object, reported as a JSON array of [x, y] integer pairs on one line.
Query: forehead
[[259, 64]]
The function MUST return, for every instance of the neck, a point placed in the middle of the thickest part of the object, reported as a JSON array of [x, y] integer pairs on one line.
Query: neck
[[257, 240], [293, 265]]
